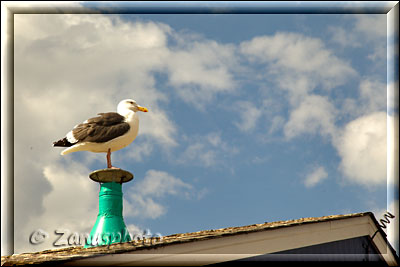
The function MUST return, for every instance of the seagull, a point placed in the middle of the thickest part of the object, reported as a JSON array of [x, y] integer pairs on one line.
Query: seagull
[[106, 133]]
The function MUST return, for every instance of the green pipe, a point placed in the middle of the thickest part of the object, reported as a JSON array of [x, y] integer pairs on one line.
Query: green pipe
[[110, 226]]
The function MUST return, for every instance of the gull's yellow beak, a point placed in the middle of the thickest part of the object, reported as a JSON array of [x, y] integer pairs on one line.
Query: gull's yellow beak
[[143, 109]]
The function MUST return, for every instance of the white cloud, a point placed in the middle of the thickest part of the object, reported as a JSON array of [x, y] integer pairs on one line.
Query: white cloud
[[209, 150], [372, 97], [362, 29], [145, 198], [145, 207], [277, 123], [71, 204], [249, 115], [313, 115], [315, 177], [139, 151], [290, 51], [342, 37], [90, 67], [361, 143], [69, 67], [200, 70], [134, 229], [298, 63], [362, 148], [372, 25], [373, 94], [158, 183], [197, 151], [159, 127]]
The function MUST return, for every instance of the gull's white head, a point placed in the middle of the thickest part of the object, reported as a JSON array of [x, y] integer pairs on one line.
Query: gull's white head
[[129, 105]]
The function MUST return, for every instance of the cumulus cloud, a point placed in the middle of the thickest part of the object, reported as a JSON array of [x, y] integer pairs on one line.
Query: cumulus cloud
[[66, 70], [373, 95], [140, 150], [372, 25], [315, 177], [249, 115], [76, 73], [293, 51], [342, 37], [361, 28], [208, 150], [69, 67], [315, 114], [200, 70], [277, 123], [362, 147], [362, 142], [301, 65], [298, 63], [114, 59], [70, 205], [147, 196]]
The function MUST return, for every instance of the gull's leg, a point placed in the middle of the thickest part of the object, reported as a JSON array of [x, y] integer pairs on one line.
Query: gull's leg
[[109, 160]]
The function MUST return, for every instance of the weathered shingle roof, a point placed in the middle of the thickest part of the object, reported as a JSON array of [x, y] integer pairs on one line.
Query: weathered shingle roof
[[78, 252]]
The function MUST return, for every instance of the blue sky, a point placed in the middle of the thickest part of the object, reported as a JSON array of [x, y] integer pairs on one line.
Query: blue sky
[[252, 118]]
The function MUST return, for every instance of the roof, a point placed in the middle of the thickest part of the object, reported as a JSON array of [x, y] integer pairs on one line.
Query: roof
[[69, 254]]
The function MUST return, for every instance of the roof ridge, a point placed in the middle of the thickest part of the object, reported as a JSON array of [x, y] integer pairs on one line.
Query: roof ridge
[[77, 252]]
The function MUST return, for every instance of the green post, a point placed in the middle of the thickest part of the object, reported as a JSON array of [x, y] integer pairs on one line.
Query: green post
[[110, 226]]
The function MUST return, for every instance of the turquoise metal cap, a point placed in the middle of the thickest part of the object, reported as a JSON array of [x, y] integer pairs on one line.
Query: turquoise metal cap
[[110, 226]]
